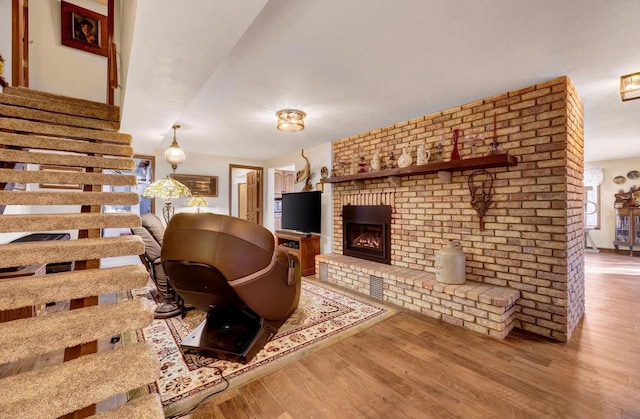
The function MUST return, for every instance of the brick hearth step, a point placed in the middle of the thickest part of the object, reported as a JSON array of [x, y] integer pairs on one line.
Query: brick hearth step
[[483, 308]]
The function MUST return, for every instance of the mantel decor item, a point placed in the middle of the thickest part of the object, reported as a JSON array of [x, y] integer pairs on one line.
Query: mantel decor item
[[455, 155], [83, 29], [481, 189], [438, 152], [375, 161], [422, 155], [496, 147], [304, 175], [405, 158]]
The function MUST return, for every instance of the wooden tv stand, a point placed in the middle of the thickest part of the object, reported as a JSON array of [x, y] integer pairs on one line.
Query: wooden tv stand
[[304, 246]]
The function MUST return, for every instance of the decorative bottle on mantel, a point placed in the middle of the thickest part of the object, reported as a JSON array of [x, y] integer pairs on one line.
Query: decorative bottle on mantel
[[454, 154]]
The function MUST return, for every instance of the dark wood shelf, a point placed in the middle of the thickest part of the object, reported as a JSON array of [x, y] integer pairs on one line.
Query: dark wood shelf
[[499, 160]]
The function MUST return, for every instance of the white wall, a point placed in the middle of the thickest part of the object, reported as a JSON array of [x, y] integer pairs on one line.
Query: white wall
[[60, 69], [612, 168], [5, 37], [318, 156]]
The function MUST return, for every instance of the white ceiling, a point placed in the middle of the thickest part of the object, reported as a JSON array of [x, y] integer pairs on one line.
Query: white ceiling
[[221, 69]]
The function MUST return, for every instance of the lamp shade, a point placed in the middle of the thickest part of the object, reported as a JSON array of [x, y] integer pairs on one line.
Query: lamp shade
[[197, 202], [290, 120], [166, 188]]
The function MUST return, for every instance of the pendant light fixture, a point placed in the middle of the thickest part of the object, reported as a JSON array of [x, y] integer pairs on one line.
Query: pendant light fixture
[[174, 154]]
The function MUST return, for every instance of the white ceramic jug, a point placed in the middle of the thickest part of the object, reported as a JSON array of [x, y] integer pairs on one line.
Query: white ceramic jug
[[451, 264], [405, 159]]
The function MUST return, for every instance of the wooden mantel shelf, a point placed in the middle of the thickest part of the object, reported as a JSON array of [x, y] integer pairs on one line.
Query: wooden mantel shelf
[[499, 160]]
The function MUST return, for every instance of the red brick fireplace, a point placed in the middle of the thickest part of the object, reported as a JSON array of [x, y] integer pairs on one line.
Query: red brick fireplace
[[532, 241]]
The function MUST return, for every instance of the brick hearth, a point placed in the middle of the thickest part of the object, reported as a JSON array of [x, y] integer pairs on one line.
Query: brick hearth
[[483, 308]]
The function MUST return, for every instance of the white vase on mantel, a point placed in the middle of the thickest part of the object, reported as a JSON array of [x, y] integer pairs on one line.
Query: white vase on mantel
[[405, 159]]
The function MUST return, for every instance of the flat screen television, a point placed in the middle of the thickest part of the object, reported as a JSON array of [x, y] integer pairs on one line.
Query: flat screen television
[[301, 211]]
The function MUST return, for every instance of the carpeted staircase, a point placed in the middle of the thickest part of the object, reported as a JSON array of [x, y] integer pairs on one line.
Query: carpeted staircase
[[38, 128]]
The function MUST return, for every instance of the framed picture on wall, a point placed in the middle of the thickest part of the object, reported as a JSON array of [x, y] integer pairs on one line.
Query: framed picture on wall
[[199, 185], [83, 29]]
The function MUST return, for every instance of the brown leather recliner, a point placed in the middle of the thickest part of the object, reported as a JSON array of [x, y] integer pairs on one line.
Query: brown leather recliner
[[231, 269]]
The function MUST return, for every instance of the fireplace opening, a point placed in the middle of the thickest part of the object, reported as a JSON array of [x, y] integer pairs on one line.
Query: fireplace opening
[[366, 232]]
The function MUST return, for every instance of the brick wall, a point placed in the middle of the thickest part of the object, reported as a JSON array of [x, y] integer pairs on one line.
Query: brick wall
[[532, 239]]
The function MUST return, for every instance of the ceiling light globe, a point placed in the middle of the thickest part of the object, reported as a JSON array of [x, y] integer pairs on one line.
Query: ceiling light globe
[[174, 155]]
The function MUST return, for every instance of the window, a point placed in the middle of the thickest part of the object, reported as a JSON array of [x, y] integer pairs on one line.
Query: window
[[592, 207]]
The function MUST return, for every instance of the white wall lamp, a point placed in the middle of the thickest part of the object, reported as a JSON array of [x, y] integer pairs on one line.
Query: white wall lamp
[[630, 86], [174, 154], [290, 120]]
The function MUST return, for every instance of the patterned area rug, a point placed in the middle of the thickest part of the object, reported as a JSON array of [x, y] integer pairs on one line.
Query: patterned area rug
[[324, 316]]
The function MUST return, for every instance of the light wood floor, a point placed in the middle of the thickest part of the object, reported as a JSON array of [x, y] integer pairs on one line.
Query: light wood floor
[[415, 367]]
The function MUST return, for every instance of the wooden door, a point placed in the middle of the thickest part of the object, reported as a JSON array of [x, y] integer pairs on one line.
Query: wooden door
[[253, 202], [242, 201]]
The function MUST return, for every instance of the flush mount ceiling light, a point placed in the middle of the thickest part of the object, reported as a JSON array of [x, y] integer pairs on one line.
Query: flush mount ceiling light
[[630, 86], [174, 154], [290, 120]]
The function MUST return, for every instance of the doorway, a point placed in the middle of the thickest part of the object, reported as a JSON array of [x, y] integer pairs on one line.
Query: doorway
[[246, 201]]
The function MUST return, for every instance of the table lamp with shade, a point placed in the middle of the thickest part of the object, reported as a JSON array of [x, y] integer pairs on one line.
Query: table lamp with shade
[[197, 202], [168, 189]]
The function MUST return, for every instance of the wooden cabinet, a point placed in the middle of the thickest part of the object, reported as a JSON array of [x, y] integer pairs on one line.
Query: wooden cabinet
[[283, 182], [305, 247], [289, 182], [627, 232], [278, 182]]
